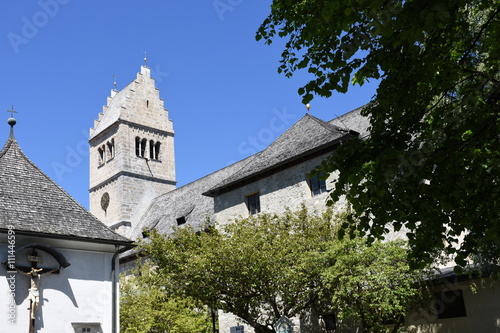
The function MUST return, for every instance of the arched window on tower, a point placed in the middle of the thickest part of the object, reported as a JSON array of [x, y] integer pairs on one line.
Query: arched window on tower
[[137, 146], [152, 150], [101, 156], [111, 149], [157, 150], [143, 147]]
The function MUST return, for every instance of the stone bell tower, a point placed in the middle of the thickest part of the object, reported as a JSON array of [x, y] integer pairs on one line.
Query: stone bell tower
[[131, 153]]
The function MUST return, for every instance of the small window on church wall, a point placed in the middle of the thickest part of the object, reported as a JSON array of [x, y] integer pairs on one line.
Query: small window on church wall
[[181, 220], [143, 147], [147, 104], [317, 184], [137, 146], [253, 203]]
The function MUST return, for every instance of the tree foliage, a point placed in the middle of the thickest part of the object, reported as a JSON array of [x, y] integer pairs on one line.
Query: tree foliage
[[146, 306], [373, 285], [264, 267], [247, 267], [431, 162]]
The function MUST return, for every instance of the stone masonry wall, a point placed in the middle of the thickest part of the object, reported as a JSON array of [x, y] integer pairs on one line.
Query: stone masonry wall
[[286, 189]]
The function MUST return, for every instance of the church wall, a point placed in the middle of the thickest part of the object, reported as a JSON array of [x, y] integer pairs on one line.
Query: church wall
[[80, 293], [285, 189], [129, 198]]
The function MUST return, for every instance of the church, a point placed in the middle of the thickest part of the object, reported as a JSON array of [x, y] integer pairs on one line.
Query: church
[[60, 263], [133, 189]]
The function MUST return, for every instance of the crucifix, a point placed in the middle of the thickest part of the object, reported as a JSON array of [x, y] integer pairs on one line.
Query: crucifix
[[35, 274], [12, 111]]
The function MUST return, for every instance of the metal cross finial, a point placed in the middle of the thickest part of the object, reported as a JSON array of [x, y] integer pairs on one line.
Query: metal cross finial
[[12, 111], [114, 81], [145, 59]]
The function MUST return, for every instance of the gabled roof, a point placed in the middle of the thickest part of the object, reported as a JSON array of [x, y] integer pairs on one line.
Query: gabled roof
[[33, 204], [307, 137]]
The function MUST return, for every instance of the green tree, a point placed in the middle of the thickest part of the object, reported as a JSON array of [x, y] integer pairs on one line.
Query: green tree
[[146, 306], [264, 267], [372, 284], [431, 162], [247, 267]]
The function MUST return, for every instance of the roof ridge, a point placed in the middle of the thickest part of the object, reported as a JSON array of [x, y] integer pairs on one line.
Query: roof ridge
[[327, 125], [6, 146], [286, 149], [251, 158]]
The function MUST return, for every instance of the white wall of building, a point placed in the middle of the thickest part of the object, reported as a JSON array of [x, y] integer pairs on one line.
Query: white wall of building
[[80, 293]]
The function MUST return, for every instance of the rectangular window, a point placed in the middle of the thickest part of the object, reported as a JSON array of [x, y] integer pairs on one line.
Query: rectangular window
[[81, 327], [253, 203], [317, 184], [449, 304]]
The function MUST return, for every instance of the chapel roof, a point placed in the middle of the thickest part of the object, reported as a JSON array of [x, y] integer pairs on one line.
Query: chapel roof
[[33, 204]]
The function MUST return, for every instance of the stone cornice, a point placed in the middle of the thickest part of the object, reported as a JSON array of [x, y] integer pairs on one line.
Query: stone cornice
[[133, 175]]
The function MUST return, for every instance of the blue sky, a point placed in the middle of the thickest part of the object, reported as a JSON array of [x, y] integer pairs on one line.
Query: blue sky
[[221, 87]]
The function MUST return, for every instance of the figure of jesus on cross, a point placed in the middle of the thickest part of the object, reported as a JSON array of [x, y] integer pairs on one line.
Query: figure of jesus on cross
[[35, 273], [34, 292]]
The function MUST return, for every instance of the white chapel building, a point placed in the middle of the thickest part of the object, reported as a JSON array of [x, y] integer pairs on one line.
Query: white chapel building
[[59, 263]]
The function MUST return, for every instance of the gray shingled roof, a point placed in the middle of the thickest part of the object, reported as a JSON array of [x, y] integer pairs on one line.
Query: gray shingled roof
[[186, 201], [307, 136], [35, 205], [354, 121]]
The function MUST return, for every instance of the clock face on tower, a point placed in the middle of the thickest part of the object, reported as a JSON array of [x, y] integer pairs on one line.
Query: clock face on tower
[[105, 201]]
